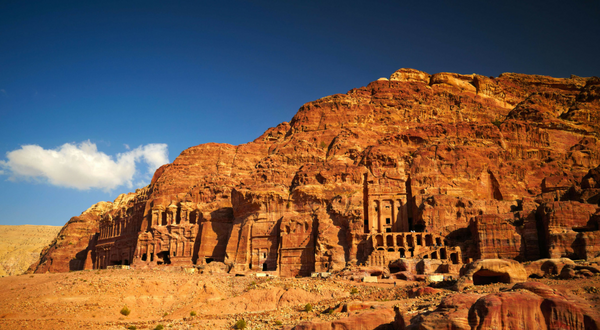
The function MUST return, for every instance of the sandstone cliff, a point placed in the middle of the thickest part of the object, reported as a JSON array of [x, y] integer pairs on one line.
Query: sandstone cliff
[[446, 167]]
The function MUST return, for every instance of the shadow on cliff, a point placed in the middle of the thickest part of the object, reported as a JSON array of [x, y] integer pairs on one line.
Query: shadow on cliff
[[217, 227]]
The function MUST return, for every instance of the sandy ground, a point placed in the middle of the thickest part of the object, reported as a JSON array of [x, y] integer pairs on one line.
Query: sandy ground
[[168, 296]]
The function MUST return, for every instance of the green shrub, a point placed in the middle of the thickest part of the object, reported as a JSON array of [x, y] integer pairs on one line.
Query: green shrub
[[159, 327], [192, 313], [240, 324], [125, 311], [278, 322], [308, 308], [354, 291], [497, 122], [131, 327]]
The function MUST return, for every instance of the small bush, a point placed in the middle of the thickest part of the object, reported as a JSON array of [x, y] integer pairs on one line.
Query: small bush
[[323, 145], [125, 311], [308, 308], [240, 324], [278, 322], [192, 313], [159, 327], [497, 122], [132, 327], [354, 291]]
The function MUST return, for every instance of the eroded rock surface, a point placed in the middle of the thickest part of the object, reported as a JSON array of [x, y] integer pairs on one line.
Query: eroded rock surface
[[436, 170]]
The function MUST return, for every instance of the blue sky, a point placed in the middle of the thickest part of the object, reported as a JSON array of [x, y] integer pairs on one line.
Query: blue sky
[[94, 94]]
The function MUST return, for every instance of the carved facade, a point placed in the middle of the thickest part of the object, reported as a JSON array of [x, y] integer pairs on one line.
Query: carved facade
[[269, 238]]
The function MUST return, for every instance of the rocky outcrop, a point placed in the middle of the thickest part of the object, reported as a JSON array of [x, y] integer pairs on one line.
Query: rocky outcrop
[[529, 305], [547, 267], [488, 271], [436, 169], [380, 318]]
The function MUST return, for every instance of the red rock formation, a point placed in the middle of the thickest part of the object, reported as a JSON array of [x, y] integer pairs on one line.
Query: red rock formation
[[529, 305], [381, 318], [435, 168], [488, 271]]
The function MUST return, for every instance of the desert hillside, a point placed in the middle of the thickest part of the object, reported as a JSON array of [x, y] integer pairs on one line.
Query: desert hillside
[[20, 246]]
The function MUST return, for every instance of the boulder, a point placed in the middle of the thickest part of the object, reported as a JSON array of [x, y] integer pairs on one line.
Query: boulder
[[380, 319], [529, 305], [488, 271], [547, 267]]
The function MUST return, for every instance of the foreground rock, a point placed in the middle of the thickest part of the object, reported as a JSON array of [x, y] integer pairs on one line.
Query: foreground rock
[[527, 305]]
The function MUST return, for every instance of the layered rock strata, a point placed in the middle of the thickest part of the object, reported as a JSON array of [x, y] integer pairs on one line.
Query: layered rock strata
[[435, 170]]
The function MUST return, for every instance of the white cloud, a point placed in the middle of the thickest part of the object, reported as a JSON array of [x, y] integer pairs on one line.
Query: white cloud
[[82, 166]]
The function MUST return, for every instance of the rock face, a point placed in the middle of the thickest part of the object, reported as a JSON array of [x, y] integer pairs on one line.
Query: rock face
[[433, 169], [488, 271], [528, 305]]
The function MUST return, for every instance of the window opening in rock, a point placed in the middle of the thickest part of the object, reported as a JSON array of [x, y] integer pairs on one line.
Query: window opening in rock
[[366, 225], [379, 240], [401, 253], [454, 258], [443, 254], [438, 241], [434, 255], [208, 260], [399, 241], [388, 221], [151, 257], [484, 276], [428, 240], [264, 266], [164, 219], [410, 224], [250, 266], [389, 240], [144, 256], [388, 230], [419, 240], [165, 257], [193, 217], [391, 250]]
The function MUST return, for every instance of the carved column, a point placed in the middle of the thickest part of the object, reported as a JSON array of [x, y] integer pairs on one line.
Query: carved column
[[393, 215]]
